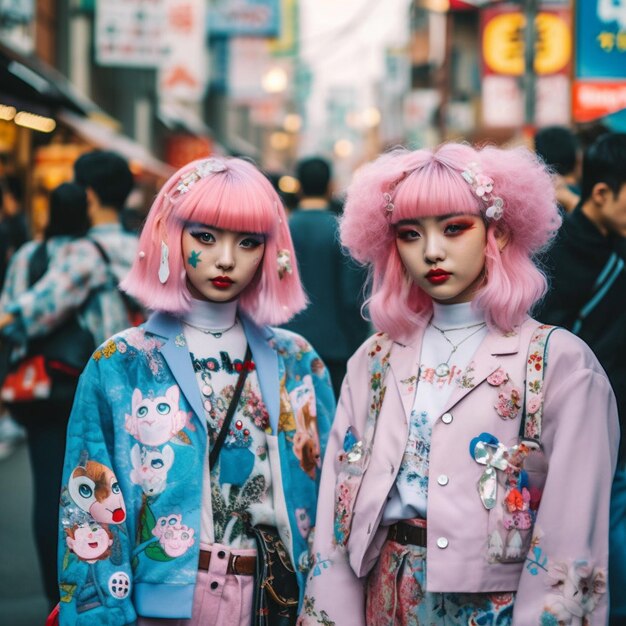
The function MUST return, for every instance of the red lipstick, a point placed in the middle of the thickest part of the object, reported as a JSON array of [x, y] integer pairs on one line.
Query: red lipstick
[[437, 277], [222, 282]]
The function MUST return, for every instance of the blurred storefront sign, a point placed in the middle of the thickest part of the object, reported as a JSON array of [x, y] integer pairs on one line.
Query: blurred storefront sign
[[130, 33], [253, 73], [17, 24], [184, 70], [181, 149], [17, 11], [502, 29], [251, 18], [421, 107], [600, 82], [286, 42]]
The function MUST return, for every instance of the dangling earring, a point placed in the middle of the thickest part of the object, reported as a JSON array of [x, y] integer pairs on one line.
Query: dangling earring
[[164, 265]]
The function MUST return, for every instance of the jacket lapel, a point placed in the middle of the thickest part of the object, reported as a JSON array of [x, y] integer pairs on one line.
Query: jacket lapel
[[178, 360], [404, 364], [266, 361], [484, 363]]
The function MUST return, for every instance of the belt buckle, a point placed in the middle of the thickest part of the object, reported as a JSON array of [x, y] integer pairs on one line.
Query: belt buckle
[[233, 563]]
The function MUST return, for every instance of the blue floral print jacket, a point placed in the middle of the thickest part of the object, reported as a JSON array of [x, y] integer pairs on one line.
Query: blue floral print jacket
[[77, 279], [125, 550]]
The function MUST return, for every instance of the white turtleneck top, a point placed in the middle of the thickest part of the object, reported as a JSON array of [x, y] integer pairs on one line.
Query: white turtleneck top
[[241, 480], [408, 496]]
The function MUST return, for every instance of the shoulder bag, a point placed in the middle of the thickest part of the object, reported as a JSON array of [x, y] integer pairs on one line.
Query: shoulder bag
[[49, 372], [276, 586]]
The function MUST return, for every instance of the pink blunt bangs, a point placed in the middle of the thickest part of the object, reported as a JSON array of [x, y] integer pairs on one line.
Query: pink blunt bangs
[[239, 198], [424, 183]]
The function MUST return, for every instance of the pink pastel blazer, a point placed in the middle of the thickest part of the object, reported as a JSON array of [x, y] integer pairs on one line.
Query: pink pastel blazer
[[563, 566]]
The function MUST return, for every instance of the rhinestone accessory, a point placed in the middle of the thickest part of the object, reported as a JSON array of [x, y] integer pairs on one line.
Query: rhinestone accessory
[[202, 170]]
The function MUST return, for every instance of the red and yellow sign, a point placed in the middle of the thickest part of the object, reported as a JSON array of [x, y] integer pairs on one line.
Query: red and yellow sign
[[595, 99], [503, 43]]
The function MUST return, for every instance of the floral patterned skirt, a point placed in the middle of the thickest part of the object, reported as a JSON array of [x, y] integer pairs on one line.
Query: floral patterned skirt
[[397, 596]]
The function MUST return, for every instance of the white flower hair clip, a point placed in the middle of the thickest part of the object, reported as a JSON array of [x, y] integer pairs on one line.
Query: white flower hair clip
[[389, 207], [202, 170], [483, 188], [283, 260]]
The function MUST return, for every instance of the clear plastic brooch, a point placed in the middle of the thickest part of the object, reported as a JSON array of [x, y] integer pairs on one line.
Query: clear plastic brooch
[[483, 188], [202, 170]]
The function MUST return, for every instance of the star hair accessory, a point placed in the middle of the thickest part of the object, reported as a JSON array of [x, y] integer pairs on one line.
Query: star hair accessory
[[202, 170], [284, 263], [483, 188]]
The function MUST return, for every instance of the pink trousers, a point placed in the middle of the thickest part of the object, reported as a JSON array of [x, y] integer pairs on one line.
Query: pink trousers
[[220, 599]]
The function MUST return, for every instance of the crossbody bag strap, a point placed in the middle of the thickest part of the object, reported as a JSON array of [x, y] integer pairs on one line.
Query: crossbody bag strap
[[38, 264], [232, 407], [537, 361]]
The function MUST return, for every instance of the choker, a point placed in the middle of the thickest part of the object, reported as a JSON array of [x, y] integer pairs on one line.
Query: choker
[[215, 333]]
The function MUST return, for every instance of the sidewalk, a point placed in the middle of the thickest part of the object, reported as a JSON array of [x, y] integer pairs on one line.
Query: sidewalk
[[22, 601]]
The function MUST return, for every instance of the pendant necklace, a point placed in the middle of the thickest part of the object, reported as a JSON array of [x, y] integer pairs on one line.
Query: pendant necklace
[[215, 333], [443, 369]]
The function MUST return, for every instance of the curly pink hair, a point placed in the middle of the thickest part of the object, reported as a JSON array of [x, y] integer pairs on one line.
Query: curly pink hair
[[427, 183], [238, 198]]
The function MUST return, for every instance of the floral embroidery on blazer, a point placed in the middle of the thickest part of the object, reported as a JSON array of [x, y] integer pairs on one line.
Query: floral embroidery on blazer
[[489, 533]]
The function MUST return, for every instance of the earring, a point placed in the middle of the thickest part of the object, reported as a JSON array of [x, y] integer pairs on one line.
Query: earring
[[284, 263], [164, 265]]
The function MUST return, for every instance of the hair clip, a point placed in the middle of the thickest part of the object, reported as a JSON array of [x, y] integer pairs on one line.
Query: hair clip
[[284, 263], [483, 188], [388, 202], [202, 170]]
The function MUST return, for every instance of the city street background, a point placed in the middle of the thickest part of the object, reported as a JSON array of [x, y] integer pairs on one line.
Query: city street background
[[22, 601]]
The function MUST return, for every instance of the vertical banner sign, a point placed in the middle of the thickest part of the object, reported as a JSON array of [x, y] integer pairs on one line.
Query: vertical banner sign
[[502, 30], [249, 18], [129, 33], [184, 73], [600, 83]]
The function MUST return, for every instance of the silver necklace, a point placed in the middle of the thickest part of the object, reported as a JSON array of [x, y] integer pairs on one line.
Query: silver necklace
[[215, 333], [443, 369]]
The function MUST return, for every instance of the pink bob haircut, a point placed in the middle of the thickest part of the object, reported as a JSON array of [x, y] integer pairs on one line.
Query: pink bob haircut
[[426, 183], [238, 198]]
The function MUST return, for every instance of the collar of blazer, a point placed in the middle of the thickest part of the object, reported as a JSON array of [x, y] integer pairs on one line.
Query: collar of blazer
[[404, 363], [265, 358]]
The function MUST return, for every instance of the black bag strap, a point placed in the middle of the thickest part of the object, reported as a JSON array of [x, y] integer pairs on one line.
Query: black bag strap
[[130, 304], [38, 264], [232, 407]]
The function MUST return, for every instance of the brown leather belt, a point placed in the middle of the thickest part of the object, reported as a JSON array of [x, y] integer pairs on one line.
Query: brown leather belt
[[407, 534], [240, 565]]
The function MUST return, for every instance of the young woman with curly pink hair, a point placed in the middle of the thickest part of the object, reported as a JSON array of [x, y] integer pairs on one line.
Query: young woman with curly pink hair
[[468, 471]]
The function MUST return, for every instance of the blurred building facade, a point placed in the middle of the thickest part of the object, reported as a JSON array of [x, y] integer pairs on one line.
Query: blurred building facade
[[166, 81]]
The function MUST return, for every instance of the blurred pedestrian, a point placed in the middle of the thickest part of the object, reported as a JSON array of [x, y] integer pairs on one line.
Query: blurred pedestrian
[[29, 313], [559, 149], [333, 282], [467, 475], [108, 181], [588, 296], [13, 228], [197, 437]]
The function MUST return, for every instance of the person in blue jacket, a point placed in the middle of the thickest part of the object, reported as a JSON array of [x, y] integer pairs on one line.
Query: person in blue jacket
[[150, 529]]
